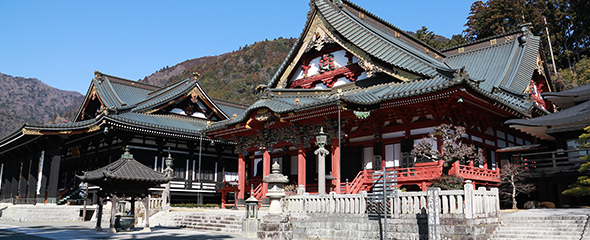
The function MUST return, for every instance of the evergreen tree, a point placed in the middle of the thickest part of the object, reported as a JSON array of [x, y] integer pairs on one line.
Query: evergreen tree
[[582, 186]]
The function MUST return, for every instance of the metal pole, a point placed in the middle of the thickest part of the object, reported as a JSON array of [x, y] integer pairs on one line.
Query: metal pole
[[339, 147], [384, 203], [550, 48], [199, 177]]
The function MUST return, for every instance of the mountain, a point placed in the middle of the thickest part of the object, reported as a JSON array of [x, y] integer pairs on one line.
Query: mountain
[[231, 76], [32, 101]]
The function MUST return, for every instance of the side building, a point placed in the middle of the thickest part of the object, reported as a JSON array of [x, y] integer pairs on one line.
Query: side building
[[39, 163]]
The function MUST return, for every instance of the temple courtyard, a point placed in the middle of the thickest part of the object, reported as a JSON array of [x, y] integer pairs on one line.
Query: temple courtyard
[[34, 230]]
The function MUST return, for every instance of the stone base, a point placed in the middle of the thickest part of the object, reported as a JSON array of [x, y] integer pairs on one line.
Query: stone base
[[250, 227], [275, 227]]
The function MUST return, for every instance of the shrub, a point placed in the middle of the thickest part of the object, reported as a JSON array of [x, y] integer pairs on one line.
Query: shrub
[[195, 205], [531, 204], [547, 205], [448, 182]]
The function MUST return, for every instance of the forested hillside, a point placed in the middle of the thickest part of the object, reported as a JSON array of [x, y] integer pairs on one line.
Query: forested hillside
[[32, 101], [231, 76]]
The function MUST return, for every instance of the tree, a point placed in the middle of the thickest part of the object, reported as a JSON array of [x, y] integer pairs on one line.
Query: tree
[[428, 37], [448, 182], [582, 186], [452, 148], [513, 176]]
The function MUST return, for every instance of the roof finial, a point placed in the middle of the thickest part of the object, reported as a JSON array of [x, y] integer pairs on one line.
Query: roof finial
[[195, 75]]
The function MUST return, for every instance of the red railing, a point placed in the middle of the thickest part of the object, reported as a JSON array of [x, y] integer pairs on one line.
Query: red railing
[[476, 173]]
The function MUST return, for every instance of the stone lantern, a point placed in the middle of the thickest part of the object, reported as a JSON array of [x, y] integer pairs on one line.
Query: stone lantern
[[251, 222], [276, 189]]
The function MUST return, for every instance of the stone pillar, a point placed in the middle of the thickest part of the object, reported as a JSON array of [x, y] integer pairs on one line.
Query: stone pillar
[[265, 170], [147, 228], [54, 174], [468, 188], [321, 153], [301, 165], [433, 213], [336, 165], [241, 177]]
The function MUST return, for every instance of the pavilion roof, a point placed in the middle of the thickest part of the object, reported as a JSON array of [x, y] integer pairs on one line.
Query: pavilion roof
[[125, 169]]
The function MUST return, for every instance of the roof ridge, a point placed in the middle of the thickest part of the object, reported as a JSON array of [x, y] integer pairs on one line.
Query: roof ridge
[[132, 82], [481, 40], [388, 24], [480, 49]]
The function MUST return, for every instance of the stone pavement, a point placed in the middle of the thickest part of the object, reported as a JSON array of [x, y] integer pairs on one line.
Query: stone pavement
[[85, 230]]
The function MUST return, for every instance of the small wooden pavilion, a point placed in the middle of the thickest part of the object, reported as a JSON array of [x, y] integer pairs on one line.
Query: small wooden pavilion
[[125, 177]]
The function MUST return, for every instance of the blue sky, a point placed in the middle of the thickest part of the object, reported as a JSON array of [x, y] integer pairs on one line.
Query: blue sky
[[62, 42]]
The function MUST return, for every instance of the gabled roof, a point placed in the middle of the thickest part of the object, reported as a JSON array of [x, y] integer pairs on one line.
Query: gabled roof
[[506, 61], [367, 36]]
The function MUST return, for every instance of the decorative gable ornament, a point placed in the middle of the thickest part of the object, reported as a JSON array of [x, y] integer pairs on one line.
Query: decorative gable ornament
[[369, 67], [319, 41]]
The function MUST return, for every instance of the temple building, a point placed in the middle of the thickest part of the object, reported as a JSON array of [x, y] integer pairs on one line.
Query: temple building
[[373, 88], [376, 91], [40, 162], [554, 164]]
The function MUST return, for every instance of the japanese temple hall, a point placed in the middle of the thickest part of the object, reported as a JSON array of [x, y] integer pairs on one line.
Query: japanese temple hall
[[376, 91], [373, 88]]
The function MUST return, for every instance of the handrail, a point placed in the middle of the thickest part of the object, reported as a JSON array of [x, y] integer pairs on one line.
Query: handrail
[[551, 152]]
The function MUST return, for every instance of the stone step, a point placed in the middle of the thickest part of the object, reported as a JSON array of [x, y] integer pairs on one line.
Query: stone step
[[542, 232], [544, 228], [552, 237]]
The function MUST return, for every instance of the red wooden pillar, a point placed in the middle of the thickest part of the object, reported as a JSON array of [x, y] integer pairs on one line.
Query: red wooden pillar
[[336, 164], [265, 170], [301, 164], [241, 176]]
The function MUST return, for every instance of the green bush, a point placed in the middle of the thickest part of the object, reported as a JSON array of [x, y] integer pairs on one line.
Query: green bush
[[448, 182], [195, 205], [547, 205]]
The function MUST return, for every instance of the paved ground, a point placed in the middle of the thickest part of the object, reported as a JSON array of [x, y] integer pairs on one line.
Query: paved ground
[[85, 230]]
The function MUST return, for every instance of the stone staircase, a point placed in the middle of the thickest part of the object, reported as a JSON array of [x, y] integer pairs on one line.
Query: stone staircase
[[544, 228], [221, 222]]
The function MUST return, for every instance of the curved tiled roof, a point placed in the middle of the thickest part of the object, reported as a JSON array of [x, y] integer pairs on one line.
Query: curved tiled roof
[[509, 64], [125, 169], [576, 115]]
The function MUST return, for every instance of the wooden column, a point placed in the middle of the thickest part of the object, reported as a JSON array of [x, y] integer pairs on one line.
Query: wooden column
[[15, 177], [336, 165], [112, 228], [99, 215], [265, 170], [33, 174], [6, 180], [301, 165], [241, 176], [54, 174], [24, 179]]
